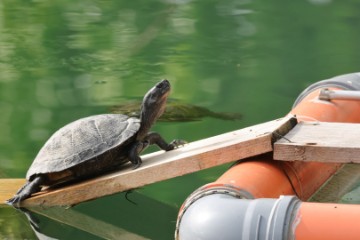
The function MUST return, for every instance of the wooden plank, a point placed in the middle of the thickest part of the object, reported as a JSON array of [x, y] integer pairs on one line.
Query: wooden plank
[[162, 165], [320, 142]]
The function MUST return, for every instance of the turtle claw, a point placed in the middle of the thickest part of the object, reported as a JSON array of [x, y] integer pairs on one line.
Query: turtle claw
[[14, 201], [177, 143], [137, 165]]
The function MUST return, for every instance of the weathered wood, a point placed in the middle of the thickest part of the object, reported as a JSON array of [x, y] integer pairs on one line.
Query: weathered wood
[[320, 142], [162, 165]]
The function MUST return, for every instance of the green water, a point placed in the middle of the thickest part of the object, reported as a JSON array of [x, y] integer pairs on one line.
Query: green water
[[63, 60]]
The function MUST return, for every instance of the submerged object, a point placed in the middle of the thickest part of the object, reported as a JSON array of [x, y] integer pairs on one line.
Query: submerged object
[[177, 111]]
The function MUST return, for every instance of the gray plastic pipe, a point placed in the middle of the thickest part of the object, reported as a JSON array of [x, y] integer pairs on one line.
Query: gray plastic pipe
[[345, 82], [326, 94], [223, 215]]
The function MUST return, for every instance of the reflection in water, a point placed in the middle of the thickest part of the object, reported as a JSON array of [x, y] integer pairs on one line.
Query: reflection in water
[[77, 220], [106, 218], [34, 224]]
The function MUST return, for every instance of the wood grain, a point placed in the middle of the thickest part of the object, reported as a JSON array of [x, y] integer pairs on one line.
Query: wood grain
[[320, 142]]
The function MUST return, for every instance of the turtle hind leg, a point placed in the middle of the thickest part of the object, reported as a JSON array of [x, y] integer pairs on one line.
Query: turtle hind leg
[[29, 188]]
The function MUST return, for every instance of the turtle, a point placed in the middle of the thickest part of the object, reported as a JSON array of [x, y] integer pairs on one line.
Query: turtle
[[96, 144]]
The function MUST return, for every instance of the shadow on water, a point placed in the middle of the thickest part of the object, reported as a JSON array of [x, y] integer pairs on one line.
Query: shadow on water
[[75, 220]]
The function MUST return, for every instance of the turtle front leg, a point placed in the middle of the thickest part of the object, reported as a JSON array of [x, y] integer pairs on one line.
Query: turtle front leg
[[155, 138], [151, 138]]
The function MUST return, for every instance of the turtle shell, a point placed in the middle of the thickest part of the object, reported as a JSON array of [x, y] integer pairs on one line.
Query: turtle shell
[[82, 140]]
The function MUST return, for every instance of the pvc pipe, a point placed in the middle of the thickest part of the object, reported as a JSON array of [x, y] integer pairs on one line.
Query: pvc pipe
[[257, 178], [262, 177], [219, 215], [327, 95], [311, 108], [327, 221], [346, 82]]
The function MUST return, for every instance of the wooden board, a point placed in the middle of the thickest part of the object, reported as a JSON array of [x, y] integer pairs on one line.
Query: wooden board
[[320, 142], [162, 165]]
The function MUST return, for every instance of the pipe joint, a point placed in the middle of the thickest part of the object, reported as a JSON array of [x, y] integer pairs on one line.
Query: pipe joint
[[225, 216]]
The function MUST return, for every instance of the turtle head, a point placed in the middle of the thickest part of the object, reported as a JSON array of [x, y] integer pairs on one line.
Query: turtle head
[[153, 105]]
